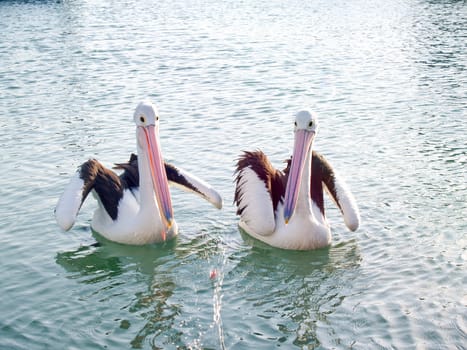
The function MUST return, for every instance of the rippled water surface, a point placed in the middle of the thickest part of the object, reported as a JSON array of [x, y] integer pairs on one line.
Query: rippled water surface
[[388, 79]]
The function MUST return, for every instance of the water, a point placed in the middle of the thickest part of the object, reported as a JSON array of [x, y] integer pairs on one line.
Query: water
[[388, 79]]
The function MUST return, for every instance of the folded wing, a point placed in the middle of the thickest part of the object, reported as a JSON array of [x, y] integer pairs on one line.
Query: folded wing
[[337, 189]]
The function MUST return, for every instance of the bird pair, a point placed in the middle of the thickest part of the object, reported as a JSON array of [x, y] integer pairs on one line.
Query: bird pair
[[284, 209]]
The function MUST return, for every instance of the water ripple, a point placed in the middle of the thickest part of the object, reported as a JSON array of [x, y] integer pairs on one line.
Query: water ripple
[[388, 81]]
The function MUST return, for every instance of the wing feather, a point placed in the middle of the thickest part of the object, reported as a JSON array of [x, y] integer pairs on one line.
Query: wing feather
[[338, 191], [91, 175], [190, 183], [259, 189], [176, 176]]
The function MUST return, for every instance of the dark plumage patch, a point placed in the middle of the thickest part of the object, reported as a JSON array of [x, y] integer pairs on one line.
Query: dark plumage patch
[[316, 185], [105, 182], [321, 172], [130, 177], [326, 175], [274, 180], [174, 175]]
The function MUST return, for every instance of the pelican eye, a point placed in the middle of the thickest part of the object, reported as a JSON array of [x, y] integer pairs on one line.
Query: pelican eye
[[157, 117], [310, 124], [142, 119], [295, 123]]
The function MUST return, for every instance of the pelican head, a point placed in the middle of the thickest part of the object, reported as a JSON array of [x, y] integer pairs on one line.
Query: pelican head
[[146, 118], [146, 113], [306, 126], [306, 120]]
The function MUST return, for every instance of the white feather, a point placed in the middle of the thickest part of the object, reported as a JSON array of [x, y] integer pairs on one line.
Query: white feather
[[348, 204], [258, 211], [69, 203]]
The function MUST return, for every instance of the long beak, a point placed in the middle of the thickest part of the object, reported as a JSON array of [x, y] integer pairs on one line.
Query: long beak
[[158, 174], [302, 145]]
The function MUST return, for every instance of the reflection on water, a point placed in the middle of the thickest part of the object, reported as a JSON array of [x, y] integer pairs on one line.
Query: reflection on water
[[113, 259], [158, 313], [100, 263], [283, 297], [159, 316], [293, 292], [388, 79]]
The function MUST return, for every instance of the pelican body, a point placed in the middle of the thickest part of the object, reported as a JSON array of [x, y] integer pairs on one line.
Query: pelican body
[[285, 209], [134, 207]]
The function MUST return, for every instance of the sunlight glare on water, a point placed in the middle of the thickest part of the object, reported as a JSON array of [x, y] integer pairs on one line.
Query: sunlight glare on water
[[387, 80]]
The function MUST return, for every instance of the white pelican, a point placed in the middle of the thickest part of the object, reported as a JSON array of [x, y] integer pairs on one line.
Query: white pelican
[[135, 207], [285, 209]]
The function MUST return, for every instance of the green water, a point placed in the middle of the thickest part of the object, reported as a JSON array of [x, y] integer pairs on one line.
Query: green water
[[388, 80]]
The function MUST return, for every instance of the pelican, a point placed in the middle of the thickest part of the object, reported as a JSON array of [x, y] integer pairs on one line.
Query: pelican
[[285, 209], [134, 207]]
